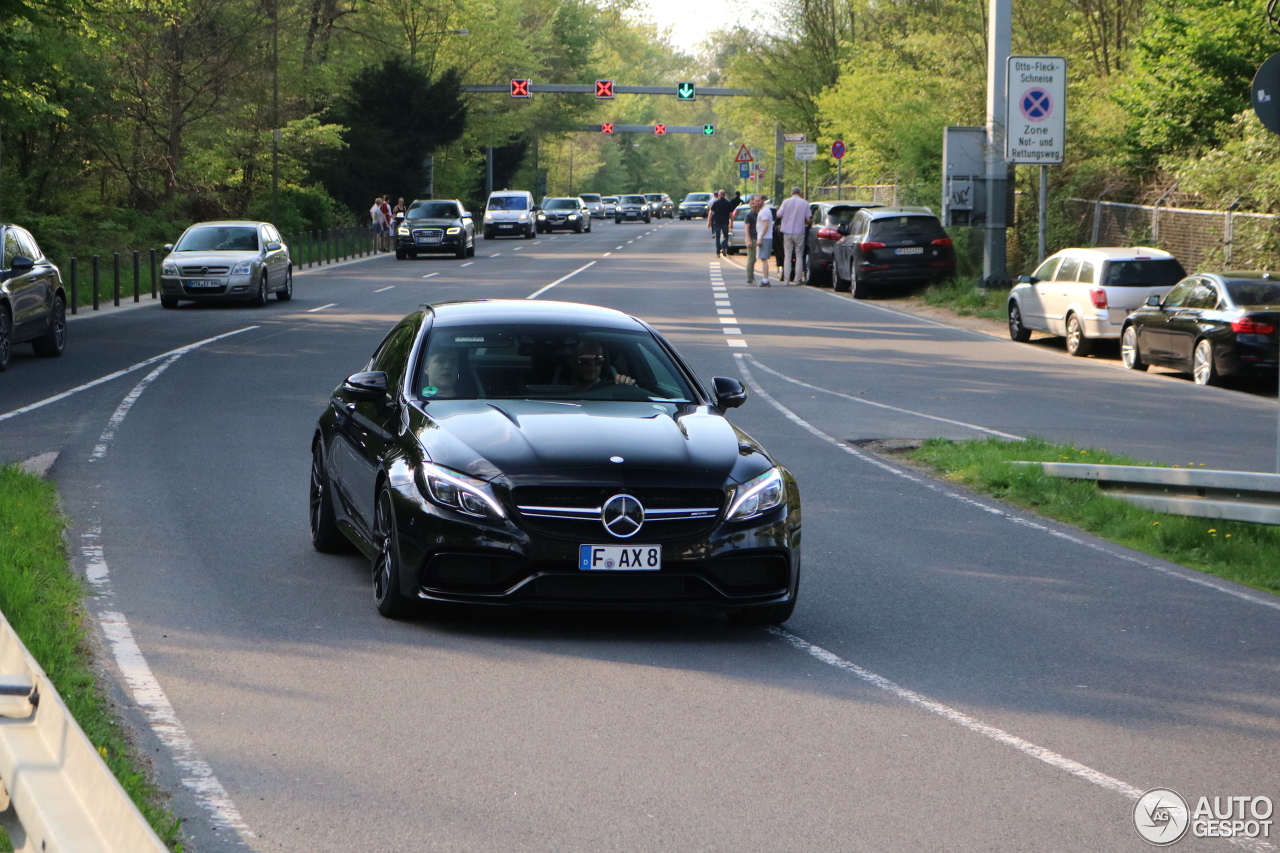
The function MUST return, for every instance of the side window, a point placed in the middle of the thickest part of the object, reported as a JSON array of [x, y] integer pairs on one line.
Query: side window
[[1202, 296], [1086, 275], [1069, 269], [273, 235], [1179, 294], [28, 244], [393, 356], [1045, 273], [859, 225], [11, 247]]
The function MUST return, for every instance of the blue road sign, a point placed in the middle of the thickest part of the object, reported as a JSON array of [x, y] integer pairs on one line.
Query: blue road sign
[[744, 171]]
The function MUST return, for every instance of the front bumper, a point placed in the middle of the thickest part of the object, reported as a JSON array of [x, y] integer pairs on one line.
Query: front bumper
[[632, 213], [446, 243], [550, 224], [230, 288], [507, 226], [692, 212], [448, 557]]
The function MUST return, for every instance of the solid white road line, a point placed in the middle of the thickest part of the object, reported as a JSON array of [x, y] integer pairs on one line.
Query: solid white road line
[[321, 308], [1187, 575], [964, 424], [430, 274], [388, 287], [86, 386], [543, 290]]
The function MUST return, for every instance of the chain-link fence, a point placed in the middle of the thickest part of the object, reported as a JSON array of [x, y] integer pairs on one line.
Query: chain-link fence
[[886, 194], [1201, 239]]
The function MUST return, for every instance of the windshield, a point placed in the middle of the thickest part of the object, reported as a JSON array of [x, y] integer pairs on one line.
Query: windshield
[[434, 210], [842, 215], [590, 198], [1164, 272], [698, 197], [653, 197], [560, 204], [508, 202], [543, 362], [219, 238], [1251, 291], [631, 199], [610, 199]]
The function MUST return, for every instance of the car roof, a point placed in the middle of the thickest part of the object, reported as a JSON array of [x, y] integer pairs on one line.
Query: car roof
[[1115, 253], [1256, 275], [244, 222], [853, 202], [466, 312], [510, 192], [878, 212]]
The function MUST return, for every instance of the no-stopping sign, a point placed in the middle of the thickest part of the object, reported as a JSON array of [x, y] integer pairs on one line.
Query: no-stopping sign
[[1036, 114]]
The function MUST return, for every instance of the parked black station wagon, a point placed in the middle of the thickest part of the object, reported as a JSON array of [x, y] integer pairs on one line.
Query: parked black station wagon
[[551, 455]]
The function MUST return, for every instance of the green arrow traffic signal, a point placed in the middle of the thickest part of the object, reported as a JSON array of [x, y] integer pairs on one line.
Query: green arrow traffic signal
[[709, 130], [686, 92]]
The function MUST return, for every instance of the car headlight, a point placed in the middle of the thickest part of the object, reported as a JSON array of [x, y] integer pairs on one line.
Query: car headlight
[[542, 216], [402, 231], [488, 217], [757, 496], [243, 268], [460, 492], [524, 217], [573, 216], [454, 230], [169, 269]]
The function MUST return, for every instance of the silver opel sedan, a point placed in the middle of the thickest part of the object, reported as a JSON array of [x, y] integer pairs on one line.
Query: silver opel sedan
[[227, 262]]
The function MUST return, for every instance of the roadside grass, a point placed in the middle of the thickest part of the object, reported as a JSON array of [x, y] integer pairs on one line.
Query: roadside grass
[[966, 299], [1235, 550], [41, 599]]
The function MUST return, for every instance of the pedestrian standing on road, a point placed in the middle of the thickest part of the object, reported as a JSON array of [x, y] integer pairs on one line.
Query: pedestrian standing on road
[[386, 222], [758, 223], [399, 212], [375, 222], [764, 240], [718, 218], [793, 221]]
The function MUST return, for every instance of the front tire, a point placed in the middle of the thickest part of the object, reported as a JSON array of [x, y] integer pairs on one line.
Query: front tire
[[1130, 355], [390, 601], [1077, 344], [6, 337], [51, 343], [858, 287], [1203, 370], [401, 254], [260, 300], [326, 537], [1017, 331], [842, 285], [285, 293], [168, 302]]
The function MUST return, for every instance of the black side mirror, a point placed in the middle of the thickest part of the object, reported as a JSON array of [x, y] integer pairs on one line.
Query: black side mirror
[[1154, 300], [729, 392], [843, 228], [1027, 279], [369, 386], [21, 264]]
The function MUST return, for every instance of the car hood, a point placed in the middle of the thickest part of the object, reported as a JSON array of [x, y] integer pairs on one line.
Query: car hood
[[211, 259], [429, 223], [529, 441]]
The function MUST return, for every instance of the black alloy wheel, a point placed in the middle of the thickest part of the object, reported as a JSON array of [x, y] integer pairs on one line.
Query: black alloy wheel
[[51, 343], [387, 596], [285, 293], [462, 250], [1017, 331], [325, 535], [6, 336], [471, 247], [529, 233], [260, 300], [1077, 343], [1130, 355]]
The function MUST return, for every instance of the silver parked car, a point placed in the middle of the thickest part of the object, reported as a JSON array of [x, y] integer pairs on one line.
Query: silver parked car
[[227, 262]]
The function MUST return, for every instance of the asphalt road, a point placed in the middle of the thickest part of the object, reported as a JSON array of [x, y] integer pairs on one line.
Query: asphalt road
[[957, 676]]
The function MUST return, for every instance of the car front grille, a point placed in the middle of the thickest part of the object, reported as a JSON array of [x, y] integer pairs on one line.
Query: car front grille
[[203, 271], [428, 235], [574, 513]]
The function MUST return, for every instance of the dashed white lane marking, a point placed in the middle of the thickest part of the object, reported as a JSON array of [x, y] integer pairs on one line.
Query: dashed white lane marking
[[803, 384], [543, 290], [196, 773], [430, 274], [467, 264], [606, 254], [494, 255], [388, 287], [736, 342], [630, 241], [725, 312], [730, 320], [722, 303], [517, 248], [732, 331], [117, 374], [618, 249], [1180, 574], [321, 308]]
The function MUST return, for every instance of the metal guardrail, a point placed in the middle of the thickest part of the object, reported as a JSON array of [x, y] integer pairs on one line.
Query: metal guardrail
[[58, 796], [1198, 492]]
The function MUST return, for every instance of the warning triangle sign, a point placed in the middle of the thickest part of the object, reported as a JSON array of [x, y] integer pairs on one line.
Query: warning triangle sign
[[744, 155]]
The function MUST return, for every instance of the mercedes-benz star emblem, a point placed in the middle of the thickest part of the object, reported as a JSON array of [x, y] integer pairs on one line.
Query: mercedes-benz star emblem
[[622, 515]]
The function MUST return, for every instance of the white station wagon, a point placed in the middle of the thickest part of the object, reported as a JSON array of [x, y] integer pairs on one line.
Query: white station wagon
[[1086, 294]]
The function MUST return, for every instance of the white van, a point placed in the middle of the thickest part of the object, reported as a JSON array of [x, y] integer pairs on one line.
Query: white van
[[509, 213]]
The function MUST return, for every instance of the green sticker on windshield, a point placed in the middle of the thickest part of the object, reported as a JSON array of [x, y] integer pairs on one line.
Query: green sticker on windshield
[[430, 391]]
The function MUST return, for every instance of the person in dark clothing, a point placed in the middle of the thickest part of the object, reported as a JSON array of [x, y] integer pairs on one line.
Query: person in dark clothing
[[718, 218], [737, 199]]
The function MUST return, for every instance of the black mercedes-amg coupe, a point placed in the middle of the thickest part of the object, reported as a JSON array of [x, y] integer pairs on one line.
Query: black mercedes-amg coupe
[[554, 455]]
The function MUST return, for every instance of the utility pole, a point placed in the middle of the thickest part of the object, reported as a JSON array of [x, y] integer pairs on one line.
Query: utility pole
[[275, 111], [488, 171], [778, 143], [999, 41]]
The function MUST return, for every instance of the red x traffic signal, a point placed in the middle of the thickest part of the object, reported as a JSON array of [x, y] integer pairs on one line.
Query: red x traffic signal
[[660, 129], [520, 89], [607, 127], [604, 89]]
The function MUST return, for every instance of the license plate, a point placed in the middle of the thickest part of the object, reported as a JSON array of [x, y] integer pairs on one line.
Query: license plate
[[506, 226], [620, 558], [203, 282], [427, 241], [913, 250]]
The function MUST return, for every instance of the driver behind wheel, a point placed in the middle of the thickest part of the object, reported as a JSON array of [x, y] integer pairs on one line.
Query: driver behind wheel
[[586, 366]]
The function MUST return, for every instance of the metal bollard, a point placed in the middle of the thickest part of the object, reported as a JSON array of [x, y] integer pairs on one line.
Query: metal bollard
[[310, 249], [115, 288], [155, 282], [75, 285], [137, 266], [96, 270]]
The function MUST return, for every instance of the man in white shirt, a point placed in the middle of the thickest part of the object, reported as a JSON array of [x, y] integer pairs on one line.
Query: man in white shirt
[[764, 236], [793, 220]]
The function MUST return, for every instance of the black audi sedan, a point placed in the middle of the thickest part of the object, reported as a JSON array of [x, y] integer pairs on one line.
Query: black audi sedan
[[551, 455], [1210, 325], [436, 226]]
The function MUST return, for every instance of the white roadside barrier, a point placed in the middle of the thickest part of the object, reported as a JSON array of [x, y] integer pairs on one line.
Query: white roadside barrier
[[58, 796]]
